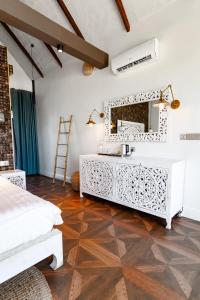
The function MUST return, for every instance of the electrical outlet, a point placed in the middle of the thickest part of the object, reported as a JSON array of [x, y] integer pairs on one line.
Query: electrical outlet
[[2, 117], [183, 136], [4, 163], [190, 136]]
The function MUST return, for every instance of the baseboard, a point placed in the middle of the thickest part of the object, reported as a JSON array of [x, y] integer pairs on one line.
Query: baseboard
[[58, 176], [191, 213]]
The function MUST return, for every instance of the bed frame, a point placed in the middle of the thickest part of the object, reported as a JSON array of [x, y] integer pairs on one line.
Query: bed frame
[[16, 260]]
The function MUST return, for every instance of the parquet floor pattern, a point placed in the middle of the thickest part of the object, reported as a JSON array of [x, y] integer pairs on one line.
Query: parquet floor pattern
[[113, 252]]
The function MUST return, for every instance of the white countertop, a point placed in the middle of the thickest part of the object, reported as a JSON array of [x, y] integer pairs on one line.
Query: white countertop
[[156, 161], [10, 171]]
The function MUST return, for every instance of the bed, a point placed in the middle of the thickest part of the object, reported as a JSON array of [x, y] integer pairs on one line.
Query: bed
[[26, 231]]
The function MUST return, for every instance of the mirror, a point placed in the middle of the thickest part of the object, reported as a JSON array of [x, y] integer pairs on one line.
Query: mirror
[[135, 118]]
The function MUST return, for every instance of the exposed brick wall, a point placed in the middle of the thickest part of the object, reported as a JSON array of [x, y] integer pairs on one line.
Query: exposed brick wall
[[6, 145]]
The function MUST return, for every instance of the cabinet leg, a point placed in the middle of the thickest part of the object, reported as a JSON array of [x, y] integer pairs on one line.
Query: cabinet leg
[[169, 222], [57, 261], [179, 214]]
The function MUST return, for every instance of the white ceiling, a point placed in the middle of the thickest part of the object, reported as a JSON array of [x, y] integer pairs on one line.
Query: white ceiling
[[100, 24]]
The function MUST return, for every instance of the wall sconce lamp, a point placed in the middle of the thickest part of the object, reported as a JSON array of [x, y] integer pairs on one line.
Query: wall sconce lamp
[[91, 122], [60, 48], [2, 117], [162, 103]]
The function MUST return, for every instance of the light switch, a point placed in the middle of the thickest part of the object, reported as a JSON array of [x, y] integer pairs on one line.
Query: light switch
[[190, 136]]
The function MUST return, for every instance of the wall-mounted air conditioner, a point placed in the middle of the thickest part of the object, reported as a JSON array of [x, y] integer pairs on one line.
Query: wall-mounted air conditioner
[[138, 56]]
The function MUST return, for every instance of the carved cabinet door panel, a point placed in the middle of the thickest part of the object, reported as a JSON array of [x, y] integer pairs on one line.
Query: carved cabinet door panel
[[142, 187], [17, 180], [152, 192], [16, 177], [127, 184], [97, 178]]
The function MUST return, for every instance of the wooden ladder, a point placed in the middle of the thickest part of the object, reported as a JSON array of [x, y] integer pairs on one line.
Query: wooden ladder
[[65, 145]]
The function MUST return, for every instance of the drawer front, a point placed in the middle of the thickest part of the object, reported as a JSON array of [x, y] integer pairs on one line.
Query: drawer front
[[142, 187], [97, 178]]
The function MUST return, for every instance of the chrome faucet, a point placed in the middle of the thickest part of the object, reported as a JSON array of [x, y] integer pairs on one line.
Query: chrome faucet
[[127, 151]]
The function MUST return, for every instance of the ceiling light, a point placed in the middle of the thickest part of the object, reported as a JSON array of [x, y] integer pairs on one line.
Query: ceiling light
[[60, 48], [87, 69]]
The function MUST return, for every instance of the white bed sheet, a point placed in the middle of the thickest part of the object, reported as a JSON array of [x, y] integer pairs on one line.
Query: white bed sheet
[[23, 216]]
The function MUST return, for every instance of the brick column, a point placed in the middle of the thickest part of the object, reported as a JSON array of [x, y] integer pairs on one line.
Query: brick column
[[6, 143]]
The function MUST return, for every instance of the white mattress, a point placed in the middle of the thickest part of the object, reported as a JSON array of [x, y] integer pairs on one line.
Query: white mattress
[[23, 216]]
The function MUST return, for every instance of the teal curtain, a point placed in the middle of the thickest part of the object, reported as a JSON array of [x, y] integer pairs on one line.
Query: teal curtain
[[25, 131]]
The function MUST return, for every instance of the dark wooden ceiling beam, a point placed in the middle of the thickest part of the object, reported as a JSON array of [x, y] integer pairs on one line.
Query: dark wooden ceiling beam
[[53, 54], [24, 18], [70, 18], [123, 14], [17, 41]]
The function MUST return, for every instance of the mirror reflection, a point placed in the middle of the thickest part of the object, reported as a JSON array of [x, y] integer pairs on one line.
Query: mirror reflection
[[135, 118]]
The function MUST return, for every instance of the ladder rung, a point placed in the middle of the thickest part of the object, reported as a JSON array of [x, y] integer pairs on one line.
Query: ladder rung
[[60, 168], [65, 122], [61, 155], [67, 132], [62, 144]]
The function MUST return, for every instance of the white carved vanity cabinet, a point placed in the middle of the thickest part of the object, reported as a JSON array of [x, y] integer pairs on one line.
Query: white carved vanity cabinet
[[151, 185]]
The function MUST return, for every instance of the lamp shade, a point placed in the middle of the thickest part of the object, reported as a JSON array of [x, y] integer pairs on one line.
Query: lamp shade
[[90, 122], [162, 103], [87, 69]]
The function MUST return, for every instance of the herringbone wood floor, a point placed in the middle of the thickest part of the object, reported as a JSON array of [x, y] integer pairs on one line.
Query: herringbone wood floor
[[112, 252]]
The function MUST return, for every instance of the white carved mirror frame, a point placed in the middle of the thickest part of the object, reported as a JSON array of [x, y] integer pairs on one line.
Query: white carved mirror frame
[[159, 136]]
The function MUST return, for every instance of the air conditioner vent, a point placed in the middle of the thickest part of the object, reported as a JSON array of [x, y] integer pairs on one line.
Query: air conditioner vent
[[135, 63], [138, 56]]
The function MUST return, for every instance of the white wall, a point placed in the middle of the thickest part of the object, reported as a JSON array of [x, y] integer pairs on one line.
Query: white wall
[[19, 79], [68, 91]]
